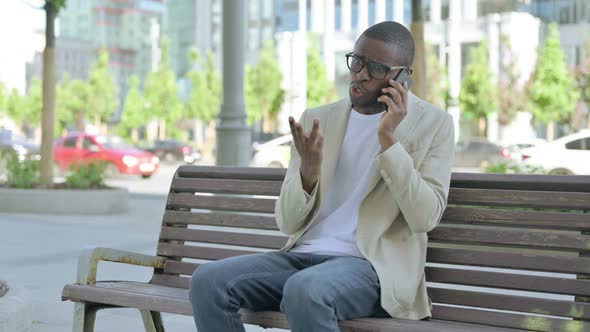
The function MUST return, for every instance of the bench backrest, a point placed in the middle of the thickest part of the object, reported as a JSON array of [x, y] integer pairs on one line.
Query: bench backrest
[[516, 244]]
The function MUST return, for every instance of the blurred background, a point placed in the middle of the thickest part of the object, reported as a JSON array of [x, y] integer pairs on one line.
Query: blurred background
[[138, 82]]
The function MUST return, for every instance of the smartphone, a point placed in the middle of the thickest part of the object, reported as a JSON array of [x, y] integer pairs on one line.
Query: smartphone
[[403, 76]]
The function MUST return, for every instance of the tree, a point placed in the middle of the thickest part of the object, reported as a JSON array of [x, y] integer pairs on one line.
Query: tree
[[161, 92], [437, 92], [420, 63], [553, 91], [73, 99], [205, 96], [52, 7], [512, 97], [583, 81], [26, 110], [320, 90], [102, 91], [3, 98], [478, 96], [263, 86], [133, 111]]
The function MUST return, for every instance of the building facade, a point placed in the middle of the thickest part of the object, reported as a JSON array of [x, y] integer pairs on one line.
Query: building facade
[[124, 28]]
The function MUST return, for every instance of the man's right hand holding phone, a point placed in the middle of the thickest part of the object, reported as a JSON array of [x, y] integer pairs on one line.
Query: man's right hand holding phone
[[310, 149]]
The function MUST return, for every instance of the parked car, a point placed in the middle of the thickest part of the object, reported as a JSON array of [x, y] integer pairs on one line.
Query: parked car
[[121, 158], [479, 153], [274, 153], [21, 148], [515, 147], [172, 150], [568, 155]]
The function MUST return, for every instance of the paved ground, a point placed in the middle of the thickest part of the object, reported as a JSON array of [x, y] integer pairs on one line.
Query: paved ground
[[40, 253]]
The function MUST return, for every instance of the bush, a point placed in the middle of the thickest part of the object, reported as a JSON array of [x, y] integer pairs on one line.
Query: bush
[[21, 174], [87, 175], [512, 168]]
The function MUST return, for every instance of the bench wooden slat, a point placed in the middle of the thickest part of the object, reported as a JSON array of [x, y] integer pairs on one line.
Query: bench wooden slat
[[528, 239], [523, 261], [176, 267], [170, 280], [234, 173], [200, 252], [541, 182], [224, 203], [509, 320], [515, 218], [501, 280], [224, 186], [519, 198], [220, 219], [169, 300], [495, 280], [546, 263], [510, 302], [236, 239]]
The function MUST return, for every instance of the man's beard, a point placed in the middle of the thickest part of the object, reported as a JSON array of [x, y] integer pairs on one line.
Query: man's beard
[[367, 101]]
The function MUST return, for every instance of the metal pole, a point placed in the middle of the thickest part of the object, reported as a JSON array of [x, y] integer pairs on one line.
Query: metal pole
[[233, 134]]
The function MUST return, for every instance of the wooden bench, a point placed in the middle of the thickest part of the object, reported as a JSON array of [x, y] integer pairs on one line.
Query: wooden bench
[[511, 252]]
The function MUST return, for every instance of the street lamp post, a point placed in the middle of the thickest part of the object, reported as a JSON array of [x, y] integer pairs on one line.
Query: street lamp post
[[233, 134]]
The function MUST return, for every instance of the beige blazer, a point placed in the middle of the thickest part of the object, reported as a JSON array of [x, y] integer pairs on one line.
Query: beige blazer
[[405, 200]]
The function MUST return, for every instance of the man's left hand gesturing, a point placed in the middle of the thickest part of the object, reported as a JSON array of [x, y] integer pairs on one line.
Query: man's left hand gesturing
[[396, 99]]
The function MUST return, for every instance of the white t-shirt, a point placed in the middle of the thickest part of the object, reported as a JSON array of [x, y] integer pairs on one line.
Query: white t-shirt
[[334, 231]]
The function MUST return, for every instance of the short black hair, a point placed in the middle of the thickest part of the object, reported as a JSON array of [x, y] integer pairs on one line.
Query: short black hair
[[394, 33]]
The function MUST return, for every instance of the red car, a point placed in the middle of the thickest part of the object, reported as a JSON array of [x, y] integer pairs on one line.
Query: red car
[[121, 157]]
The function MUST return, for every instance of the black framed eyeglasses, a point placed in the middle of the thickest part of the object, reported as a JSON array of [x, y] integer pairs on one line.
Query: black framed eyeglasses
[[377, 70]]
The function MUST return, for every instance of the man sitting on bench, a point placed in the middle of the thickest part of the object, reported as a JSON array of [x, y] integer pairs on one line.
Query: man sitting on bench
[[368, 178]]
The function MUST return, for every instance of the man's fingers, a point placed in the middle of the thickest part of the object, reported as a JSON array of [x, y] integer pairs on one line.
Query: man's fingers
[[320, 143], [315, 130]]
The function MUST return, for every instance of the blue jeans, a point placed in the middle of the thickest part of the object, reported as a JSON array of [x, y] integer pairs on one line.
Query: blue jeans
[[314, 291]]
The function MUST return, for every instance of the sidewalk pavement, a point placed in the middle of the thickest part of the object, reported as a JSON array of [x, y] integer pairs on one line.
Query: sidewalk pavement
[[40, 253]]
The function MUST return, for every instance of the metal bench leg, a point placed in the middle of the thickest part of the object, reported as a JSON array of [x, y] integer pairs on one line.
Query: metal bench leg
[[84, 317], [152, 320]]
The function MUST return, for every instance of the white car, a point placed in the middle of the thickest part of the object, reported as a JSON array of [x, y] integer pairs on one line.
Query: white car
[[569, 155], [274, 153]]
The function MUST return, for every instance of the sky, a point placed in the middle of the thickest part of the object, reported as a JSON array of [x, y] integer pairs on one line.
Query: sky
[[21, 27]]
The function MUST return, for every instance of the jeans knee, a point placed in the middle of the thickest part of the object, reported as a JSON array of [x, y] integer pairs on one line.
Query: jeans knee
[[203, 283], [301, 295]]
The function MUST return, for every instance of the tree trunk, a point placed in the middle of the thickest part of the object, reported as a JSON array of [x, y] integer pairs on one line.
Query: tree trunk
[[550, 131], [134, 135], [482, 128], [417, 29], [162, 129], [48, 118]]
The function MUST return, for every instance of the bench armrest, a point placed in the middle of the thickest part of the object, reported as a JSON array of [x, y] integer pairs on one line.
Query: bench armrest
[[88, 261]]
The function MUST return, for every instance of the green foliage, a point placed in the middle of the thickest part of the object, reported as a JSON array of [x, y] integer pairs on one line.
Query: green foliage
[[87, 175], [512, 168], [583, 76], [133, 111], [3, 98], [263, 86], [512, 98], [478, 96], [161, 91], [205, 97], [438, 87], [320, 90], [553, 92], [25, 110], [71, 104], [21, 174], [58, 4], [102, 91]]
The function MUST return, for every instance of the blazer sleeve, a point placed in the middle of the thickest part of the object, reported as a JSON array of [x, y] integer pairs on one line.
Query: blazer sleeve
[[295, 207], [421, 194]]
